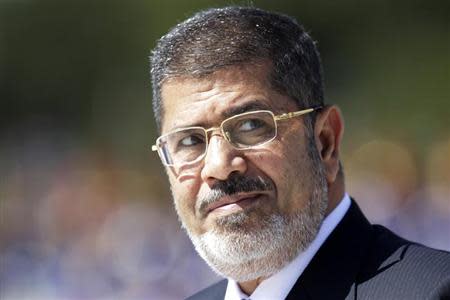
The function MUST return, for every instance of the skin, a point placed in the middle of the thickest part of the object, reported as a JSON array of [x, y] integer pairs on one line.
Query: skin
[[205, 102]]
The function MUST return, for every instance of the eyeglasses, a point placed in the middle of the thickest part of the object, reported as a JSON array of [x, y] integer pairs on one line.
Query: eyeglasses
[[243, 131]]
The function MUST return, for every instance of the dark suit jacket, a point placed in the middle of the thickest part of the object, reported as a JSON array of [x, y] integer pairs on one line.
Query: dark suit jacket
[[364, 261]]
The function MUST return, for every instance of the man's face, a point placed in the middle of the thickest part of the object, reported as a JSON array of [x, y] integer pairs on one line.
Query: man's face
[[235, 204]]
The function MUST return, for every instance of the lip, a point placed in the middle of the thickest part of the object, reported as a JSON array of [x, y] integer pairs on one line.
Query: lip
[[232, 199]]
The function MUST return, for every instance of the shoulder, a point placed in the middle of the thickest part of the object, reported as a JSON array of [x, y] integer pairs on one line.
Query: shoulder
[[397, 266], [215, 291], [410, 254]]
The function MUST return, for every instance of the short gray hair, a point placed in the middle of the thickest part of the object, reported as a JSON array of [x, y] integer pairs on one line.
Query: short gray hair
[[223, 37]]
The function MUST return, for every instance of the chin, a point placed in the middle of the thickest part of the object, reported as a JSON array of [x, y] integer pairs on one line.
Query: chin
[[244, 248]]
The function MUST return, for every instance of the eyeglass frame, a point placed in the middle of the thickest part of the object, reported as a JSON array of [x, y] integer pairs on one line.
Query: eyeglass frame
[[276, 118]]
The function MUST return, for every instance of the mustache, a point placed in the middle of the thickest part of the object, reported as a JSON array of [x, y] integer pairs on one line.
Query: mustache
[[236, 183]]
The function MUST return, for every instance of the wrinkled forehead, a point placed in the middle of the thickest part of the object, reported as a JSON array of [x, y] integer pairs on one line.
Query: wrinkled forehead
[[190, 101], [252, 73]]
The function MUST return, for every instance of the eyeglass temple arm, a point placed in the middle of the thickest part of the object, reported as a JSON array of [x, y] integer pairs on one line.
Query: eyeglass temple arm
[[293, 114]]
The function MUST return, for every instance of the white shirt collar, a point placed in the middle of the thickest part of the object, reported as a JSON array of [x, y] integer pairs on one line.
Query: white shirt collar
[[278, 285]]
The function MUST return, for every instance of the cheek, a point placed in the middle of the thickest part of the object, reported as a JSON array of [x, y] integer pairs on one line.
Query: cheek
[[289, 169], [275, 165], [283, 161]]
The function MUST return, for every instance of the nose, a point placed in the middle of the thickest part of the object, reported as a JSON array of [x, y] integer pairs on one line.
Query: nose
[[221, 160]]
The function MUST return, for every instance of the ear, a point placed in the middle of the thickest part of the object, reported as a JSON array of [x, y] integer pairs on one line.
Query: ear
[[328, 132]]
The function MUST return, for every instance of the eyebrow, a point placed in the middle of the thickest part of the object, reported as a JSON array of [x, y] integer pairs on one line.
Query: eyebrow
[[249, 106]]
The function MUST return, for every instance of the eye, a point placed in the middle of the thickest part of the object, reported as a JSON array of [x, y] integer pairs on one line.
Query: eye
[[250, 124], [191, 140]]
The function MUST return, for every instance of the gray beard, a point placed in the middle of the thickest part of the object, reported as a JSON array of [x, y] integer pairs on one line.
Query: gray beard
[[247, 254]]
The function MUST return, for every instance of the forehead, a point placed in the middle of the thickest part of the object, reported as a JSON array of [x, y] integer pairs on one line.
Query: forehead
[[207, 101]]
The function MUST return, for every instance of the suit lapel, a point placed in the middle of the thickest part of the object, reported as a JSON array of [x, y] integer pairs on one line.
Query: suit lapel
[[333, 271]]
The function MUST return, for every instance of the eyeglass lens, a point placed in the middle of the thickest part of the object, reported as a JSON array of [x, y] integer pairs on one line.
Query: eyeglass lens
[[250, 129]]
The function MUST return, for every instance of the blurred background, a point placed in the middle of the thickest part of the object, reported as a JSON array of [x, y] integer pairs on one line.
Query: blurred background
[[84, 204]]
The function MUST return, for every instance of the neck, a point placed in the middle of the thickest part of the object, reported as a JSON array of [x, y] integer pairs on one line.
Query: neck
[[248, 287], [336, 192]]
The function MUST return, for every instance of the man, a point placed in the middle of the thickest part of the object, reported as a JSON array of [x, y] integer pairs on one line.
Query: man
[[252, 156]]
